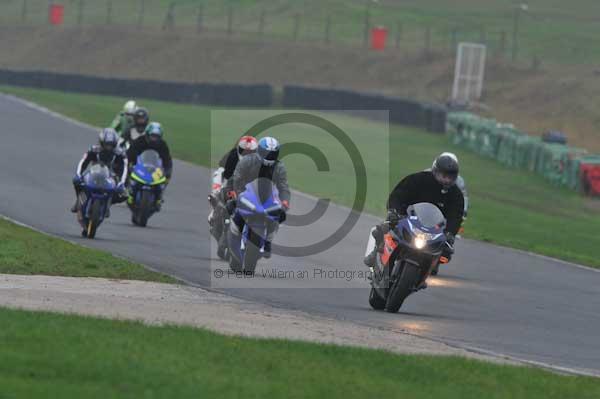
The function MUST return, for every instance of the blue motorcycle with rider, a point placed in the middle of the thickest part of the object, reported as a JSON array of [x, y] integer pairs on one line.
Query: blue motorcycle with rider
[[259, 198], [152, 167], [99, 182], [146, 184], [96, 194], [261, 214]]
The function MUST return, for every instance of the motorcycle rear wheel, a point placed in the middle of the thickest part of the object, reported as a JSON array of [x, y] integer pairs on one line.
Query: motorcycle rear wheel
[[234, 264], [376, 302]]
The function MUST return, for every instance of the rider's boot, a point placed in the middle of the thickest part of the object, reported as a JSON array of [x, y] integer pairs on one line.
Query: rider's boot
[[159, 204], [75, 206], [371, 259], [222, 244], [267, 250]]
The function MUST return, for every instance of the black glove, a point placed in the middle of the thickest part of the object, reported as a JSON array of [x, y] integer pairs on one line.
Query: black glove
[[393, 217], [282, 216], [230, 206], [448, 250]]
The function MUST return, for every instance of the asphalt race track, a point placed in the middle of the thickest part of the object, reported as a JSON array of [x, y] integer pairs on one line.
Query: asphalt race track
[[489, 298]]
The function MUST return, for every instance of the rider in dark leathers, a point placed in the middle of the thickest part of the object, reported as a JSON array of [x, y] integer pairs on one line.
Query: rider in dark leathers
[[246, 145], [106, 152], [153, 140], [436, 186], [140, 121]]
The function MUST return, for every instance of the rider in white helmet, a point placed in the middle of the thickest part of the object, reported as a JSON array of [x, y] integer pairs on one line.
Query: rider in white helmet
[[217, 218], [123, 122]]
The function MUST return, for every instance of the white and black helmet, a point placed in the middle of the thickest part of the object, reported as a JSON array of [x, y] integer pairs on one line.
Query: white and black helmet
[[268, 150], [445, 169], [108, 139]]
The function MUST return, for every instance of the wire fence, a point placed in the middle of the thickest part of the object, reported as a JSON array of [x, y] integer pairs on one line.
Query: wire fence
[[324, 24]]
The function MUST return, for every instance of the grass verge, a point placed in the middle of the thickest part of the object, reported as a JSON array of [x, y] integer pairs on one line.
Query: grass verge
[[24, 251], [508, 207], [52, 355]]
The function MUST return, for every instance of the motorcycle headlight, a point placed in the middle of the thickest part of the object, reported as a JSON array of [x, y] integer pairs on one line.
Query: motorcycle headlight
[[420, 242]]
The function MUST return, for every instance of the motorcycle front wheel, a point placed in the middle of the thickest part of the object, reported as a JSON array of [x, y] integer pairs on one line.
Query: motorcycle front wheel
[[402, 288], [94, 219], [144, 208], [252, 253]]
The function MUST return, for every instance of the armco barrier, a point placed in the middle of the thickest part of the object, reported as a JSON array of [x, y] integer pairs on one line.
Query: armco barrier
[[401, 111], [258, 95]]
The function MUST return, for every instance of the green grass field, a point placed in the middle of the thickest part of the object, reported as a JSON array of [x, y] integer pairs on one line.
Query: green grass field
[[24, 251], [508, 207], [550, 29], [50, 355]]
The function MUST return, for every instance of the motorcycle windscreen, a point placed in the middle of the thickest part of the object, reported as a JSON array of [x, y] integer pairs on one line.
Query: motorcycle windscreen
[[150, 159], [428, 214], [98, 177], [266, 191]]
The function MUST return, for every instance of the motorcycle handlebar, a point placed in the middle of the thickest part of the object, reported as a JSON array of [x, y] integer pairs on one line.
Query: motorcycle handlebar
[[273, 209]]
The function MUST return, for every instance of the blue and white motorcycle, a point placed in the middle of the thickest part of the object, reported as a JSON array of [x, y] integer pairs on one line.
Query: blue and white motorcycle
[[261, 217], [95, 197]]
